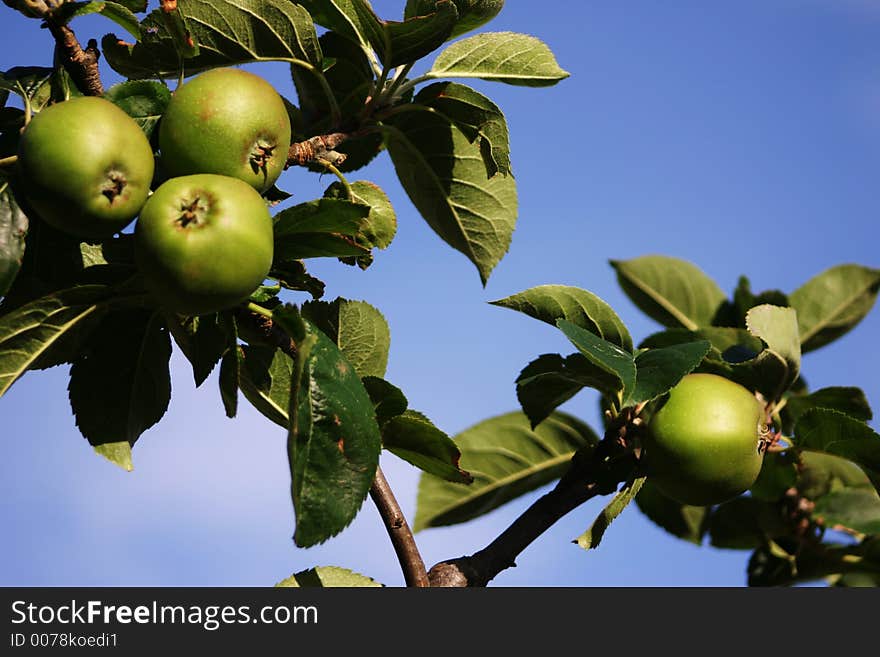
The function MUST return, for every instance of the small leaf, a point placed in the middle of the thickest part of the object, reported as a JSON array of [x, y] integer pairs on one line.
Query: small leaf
[[223, 33], [118, 453], [333, 442], [412, 437], [412, 39], [833, 303], [834, 433], [779, 473], [854, 509], [265, 381], [353, 19], [745, 523], [143, 100], [203, 340], [481, 121], [120, 386], [685, 522], [821, 474], [847, 400], [590, 539], [321, 228], [551, 380], [777, 327], [292, 274], [604, 355], [444, 176], [328, 577], [507, 459], [659, 370], [550, 303], [30, 332], [13, 231], [380, 225], [117, 12], [357, 328], [229, 381], [673, 292], [508, 57], [471, 13], [388, 400]]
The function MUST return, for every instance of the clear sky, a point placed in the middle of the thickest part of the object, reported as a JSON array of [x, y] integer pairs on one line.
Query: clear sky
[[742, 136]]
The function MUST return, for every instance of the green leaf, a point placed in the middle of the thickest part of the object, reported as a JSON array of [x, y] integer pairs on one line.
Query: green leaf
[[847, 400], [551, 380], [349, 75], [412, 437], [321, 228], [412, 39], [481, 121], [444, 176], [230, 381], [380, 225], [833, 303], [26, 81], [328, 577], [550, 303], [733, 313], [120, 386], [333, 442], [685, 522], [611, 359], [590, 539], [673, 292], [357, 328], [292, 275], [265, 381], [745, 523], [773, 565], [116, 12], [388, 400], [779, 473], [659, 370], [834, 433], [143, 100], [202, 339], [226, 32], [118, 453], [777, 327], [471, 13], [853, 509], [13, 231], [29, 333], [507, 459], [822, 474], [353, 19], [728, 344], [508, 57]]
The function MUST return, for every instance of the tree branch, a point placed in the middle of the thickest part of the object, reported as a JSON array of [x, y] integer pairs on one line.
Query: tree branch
[[398, 530], [317, 149], [597, 473], [82, 65]]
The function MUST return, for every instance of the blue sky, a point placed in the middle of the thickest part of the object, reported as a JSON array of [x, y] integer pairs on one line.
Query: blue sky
[[744, 137]]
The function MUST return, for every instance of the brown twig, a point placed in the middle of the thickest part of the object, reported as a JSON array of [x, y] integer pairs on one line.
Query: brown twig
[[598, 473], [398, 530], [318, 148], [82, 65]]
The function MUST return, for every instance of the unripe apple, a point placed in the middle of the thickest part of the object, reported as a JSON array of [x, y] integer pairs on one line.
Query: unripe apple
[[86, 167], [203, 243], [229, 122], [703, 445]]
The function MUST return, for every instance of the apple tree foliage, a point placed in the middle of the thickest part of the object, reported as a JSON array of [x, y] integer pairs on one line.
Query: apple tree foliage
[[316, 367]]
